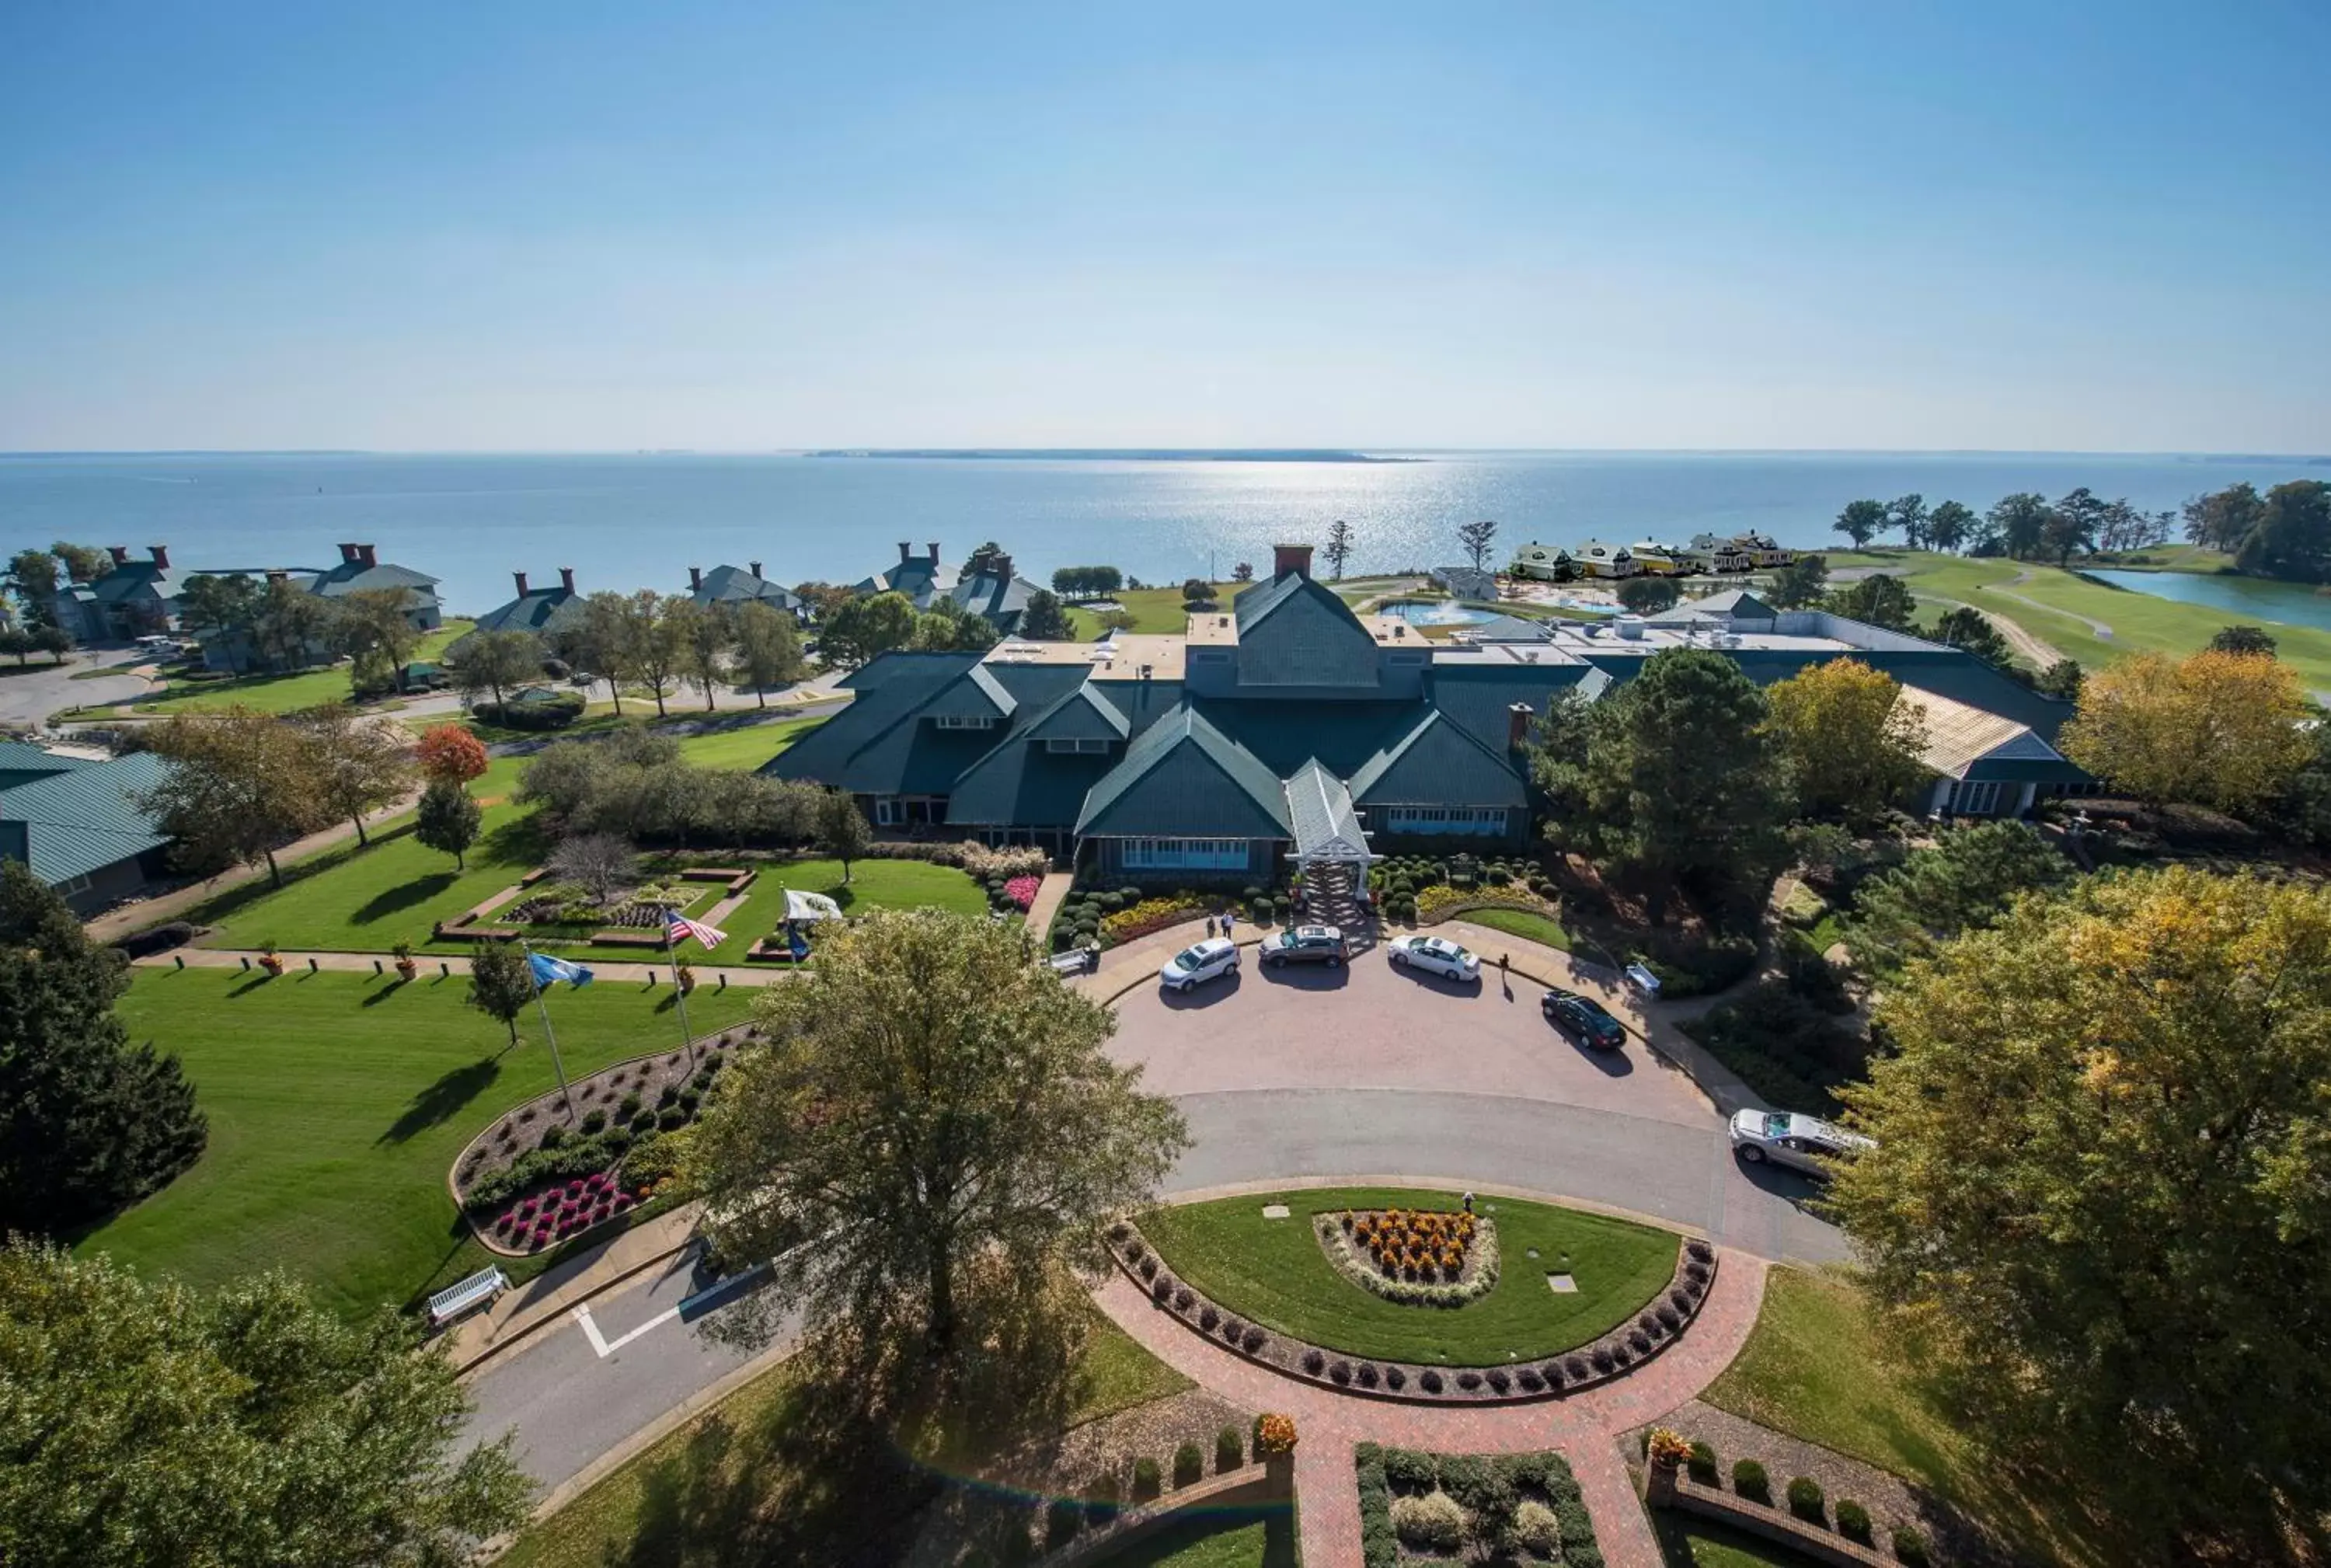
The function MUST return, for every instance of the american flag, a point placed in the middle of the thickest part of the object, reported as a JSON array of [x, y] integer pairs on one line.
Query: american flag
[[678, 928]]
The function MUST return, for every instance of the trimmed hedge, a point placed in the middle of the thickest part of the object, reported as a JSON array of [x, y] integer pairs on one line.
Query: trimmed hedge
[[557, 712], [1749, 1480]]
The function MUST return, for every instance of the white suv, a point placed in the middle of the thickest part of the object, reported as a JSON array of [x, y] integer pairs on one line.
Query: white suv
[[1199, 962], [1802, 1143]]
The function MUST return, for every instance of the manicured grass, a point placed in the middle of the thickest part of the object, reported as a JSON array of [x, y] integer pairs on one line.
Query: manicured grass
[[1526, 924], [1210, 1541], [757, 1461], [1813, 1368], [747, 746], [337, 1104], [284, 693], [1275, 1272], [872, 885], [1686, 1542]]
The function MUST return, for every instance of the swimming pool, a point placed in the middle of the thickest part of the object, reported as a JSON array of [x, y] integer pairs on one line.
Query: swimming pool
[[1438, 612]]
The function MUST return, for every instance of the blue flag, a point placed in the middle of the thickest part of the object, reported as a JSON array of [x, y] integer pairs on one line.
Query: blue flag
[[549, 969]]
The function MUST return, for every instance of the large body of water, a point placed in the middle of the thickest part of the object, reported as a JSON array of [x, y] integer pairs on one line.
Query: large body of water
[[2242, 598], [641, 521]]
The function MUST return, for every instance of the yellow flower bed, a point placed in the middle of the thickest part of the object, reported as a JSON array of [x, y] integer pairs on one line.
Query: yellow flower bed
[[1149, 915], [1440, 899]]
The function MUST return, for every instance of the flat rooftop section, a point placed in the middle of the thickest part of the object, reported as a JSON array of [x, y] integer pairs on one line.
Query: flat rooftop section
[[1609, 637], [1219, 629], [1121, 656], [1498, 655]]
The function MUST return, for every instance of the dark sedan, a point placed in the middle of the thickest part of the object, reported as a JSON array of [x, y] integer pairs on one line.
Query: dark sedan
[[1584, 1020], [1305, 944]]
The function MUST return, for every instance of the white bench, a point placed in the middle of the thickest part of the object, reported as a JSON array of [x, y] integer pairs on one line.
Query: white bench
[[475, 1291], [1076, 961]]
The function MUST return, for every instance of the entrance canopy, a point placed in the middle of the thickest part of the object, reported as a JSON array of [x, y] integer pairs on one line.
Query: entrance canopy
[[1327, 829], [801, 905]]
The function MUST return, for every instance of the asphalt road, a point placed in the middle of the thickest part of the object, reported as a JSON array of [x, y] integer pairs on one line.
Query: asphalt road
[[29, 695], [570, 1402]]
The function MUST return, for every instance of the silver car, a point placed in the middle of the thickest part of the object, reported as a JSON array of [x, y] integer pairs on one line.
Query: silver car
[[1802, 1143]]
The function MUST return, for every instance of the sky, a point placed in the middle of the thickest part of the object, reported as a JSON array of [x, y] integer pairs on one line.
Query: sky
[[607, 226]]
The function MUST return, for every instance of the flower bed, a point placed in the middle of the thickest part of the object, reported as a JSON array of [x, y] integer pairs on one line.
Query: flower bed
[[534, 1178], [1425, 1258], [1658, 1326], [1423, 1506], [1442, 900], [1151, 914]]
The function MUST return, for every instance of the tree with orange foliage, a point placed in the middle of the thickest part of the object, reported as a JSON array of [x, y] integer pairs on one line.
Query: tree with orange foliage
[[2217, 730], [450, 751]]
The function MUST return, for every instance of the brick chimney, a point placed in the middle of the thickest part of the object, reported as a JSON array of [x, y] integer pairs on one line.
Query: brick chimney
[[1517, 724], [1000, 566], [935, 552], [120, 554], [566, 578], [905, 552], [756, 565], [347, 555], [161, 554], [695, 579], [365, 553], [519, 578], [1286, 558]]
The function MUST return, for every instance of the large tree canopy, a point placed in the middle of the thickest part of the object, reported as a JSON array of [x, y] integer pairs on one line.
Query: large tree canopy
[[1966, 879], [87, 1124], [150, 1424], [2100, 1198], [1852, 746], [244, 784], [927, 1097], [2217, 729]]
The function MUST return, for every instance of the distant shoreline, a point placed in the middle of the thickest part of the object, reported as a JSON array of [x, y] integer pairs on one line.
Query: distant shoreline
[[1115, 455]]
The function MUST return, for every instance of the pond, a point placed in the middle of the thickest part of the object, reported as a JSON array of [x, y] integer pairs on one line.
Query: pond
[[1438, 612], [2245, 598]]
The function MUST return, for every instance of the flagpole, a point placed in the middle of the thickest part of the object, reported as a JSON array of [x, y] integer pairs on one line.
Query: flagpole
[[679, 990], [549, 1033]]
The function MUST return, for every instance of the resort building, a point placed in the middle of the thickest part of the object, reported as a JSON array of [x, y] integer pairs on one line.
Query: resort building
[[78, 826], [1598, 559], [988, 589], [361, 570], [1286, 727], [916, 576], [129, 599], [545, 611], [737, 585], [135, 598], [1724, 558], [1467, 583], [1543, 563], [1657, 560]]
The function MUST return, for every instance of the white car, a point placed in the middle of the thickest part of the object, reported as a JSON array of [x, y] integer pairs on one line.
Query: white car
[[1434, 955], [1802, 1143], [1200, 961]]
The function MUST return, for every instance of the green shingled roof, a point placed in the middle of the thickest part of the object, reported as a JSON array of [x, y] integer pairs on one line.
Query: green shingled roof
[[1185, 777], [75, 823]]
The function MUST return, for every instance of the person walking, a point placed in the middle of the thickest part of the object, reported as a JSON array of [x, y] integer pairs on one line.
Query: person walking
[[1228, 917]]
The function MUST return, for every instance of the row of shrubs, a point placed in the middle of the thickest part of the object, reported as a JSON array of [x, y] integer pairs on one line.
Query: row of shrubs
[[971, 856], [1806, 1502], [1442, 1504], [554, 711], [594, 1144], [1105, 1494]]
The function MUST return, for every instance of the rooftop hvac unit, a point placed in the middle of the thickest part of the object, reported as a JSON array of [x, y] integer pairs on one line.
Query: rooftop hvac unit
[[1630, 627]]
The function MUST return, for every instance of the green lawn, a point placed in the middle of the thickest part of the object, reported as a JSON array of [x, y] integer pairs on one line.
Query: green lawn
[[1813, 1368], [1212, 1540], [283, 693], [745, 747], [1686, 1542], [1275, 1272], [337, 1104], [1526, 924], [761, 1477], [872, 885]]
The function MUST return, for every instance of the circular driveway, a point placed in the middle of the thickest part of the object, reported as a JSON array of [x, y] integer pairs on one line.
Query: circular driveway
[[1370, 1071]]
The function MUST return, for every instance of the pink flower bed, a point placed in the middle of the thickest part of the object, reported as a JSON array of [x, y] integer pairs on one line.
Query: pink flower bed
[[563, 1210], [1022, 890]]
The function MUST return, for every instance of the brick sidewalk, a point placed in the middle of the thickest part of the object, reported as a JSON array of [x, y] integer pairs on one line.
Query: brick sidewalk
[[1584, 1428], [295, 963]]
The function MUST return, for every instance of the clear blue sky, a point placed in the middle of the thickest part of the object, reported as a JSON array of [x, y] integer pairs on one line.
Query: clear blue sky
[[610, 225]]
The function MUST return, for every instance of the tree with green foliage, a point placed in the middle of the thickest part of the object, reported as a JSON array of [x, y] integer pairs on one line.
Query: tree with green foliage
[[947, 627], [1907, 514], [2223, 519], [1648, 595], [149, 1422], [81, 563], [53, 641], [32, 578], [1861, 521], [1801, 584], [2019, 524], [360, 764], [2100, 1195], [2290, 538], [2073, 524], [502, 983], [768, 648], [1045, 619], [217, 607], [653, 635], [1338, 549], [1878, 600], [18, 644], [88, 1124], [2062, 679], [706, 634], [374, 628], [1477, 540], [842, 829], [1963, 881], [447, 820], [489, 663], [1673, 775], [1949, 526], [599, 647], [934, 1098], [862, 629], [241, 783], [1963, 626], [1852, 746], [290, 625], [2242, 640]]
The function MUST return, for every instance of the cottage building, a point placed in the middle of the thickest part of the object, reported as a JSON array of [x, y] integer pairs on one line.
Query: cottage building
[[989, 590], [1543, 563], [361, 570], [738, 585], [545, 611], [78, 826], [918, 578], [1598, 559], [1722, 556], [1467, 583], [130, 599]]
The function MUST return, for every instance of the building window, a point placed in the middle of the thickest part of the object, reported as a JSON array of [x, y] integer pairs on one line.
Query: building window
[[1972, 799], [1436, 819], [964, 721], [1183, 854], [886, 813], [73, 885], [1074, 746]]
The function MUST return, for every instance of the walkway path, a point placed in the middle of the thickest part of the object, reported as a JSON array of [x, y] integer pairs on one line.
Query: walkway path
[[1048, 901], [1585, 1427], [2021, 639], [297, 963]]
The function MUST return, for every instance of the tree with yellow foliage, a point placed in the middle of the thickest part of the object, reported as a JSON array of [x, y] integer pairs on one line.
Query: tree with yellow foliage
[[2098, 1208], [2217, 729], [1852, 744]]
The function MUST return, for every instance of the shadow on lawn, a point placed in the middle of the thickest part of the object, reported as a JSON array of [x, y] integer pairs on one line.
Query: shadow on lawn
[[403, 896], [443, 1099]]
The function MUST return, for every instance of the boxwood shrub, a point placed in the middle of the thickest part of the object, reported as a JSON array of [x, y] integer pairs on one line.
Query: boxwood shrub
[[1749, 1480]]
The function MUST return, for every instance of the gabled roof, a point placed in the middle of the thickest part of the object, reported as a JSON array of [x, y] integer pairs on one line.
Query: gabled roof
[[75, 823], [977, 694], [25, 763], [1738, 604], [1294, 631], [918, 578], [541, 610], [1185, 777], [1959, 735], [1085, 713], [1320, 808], [740, 585], [354, 577], [1439, 760], [997, 598]]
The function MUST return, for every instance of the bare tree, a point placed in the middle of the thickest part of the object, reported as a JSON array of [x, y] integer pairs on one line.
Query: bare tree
[[601, 864], [1338, 547]]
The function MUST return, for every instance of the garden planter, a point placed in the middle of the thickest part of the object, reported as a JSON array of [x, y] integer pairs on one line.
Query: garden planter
[[271, 964], [687, 983], [406, 968]]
